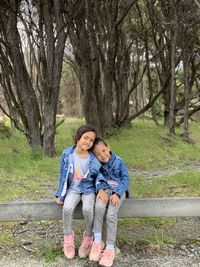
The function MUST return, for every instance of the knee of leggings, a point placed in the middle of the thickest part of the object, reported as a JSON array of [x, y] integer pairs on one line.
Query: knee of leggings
[[111, 217], [67, 210], [99, 210], [88, 211]]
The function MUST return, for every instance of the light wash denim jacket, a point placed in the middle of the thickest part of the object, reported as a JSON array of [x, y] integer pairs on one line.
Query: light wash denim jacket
[[87, 184], [116, 170]]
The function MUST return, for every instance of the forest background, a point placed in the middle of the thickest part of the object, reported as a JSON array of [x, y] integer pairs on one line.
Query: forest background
[[107, 61]]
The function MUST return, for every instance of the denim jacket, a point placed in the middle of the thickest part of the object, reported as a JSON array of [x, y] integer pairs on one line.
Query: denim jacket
[[87, 184], [116, 170]]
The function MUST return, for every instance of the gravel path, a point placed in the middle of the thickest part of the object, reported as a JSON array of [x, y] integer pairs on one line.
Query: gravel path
[[32, 237], [155, 260]]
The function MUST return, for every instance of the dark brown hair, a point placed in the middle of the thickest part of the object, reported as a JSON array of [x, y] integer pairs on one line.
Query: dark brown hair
[[99, 140], [84, 129]]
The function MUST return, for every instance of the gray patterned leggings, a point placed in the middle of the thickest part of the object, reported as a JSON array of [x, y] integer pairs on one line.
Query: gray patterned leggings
[[111, 213], [71, 201]]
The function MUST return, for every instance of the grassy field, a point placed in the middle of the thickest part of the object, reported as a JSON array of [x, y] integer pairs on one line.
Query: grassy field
[[28, 174]]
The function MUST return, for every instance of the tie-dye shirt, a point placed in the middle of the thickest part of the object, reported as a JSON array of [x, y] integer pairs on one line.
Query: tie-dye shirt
[[80, 171]]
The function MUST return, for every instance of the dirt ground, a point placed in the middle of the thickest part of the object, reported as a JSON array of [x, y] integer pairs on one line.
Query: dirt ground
[[34, 240]]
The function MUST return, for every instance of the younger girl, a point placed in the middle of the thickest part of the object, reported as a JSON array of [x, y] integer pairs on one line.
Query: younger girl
[[112, 187], [78, 172]]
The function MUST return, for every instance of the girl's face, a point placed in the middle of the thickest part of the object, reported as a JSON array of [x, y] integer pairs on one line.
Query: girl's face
[[102, 152], [86, 141]]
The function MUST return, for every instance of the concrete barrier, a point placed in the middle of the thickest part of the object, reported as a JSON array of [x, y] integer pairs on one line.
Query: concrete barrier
[[131, 208]]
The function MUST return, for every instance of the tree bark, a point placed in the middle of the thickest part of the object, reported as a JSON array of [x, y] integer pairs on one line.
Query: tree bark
[[173, 84], [186, 93], [53, 68]]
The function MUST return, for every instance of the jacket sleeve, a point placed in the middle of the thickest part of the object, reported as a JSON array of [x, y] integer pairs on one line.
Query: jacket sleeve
[[61, 180], [125, 180], [101, 182]]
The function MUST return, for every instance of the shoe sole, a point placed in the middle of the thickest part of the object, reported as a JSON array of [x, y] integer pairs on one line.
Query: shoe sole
[[83, 256], [94, 260], [106, 265], [69, 257]]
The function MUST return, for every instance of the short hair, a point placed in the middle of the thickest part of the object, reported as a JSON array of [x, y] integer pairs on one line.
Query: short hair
[[84, 129], [99, 140]]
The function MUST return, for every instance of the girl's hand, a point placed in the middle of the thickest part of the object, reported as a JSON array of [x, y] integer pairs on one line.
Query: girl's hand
[[102, 195], [59, 202], [114, 199]]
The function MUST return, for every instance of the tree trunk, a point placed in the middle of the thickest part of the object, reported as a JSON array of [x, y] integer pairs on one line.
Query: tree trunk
[[186, 93], [90, 101], [172, 117], [27, 99], [166, 102], [52, 68]]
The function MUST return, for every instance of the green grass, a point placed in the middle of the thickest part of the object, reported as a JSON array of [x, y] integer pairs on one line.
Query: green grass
[[51, 254], [147, 146], [143, 233], [7, 239], [6, 236], [157, 238], [180, 184], [27, 173]]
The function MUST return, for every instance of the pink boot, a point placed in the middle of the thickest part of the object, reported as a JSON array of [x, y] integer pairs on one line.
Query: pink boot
[[69, 247], [85, 247]]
